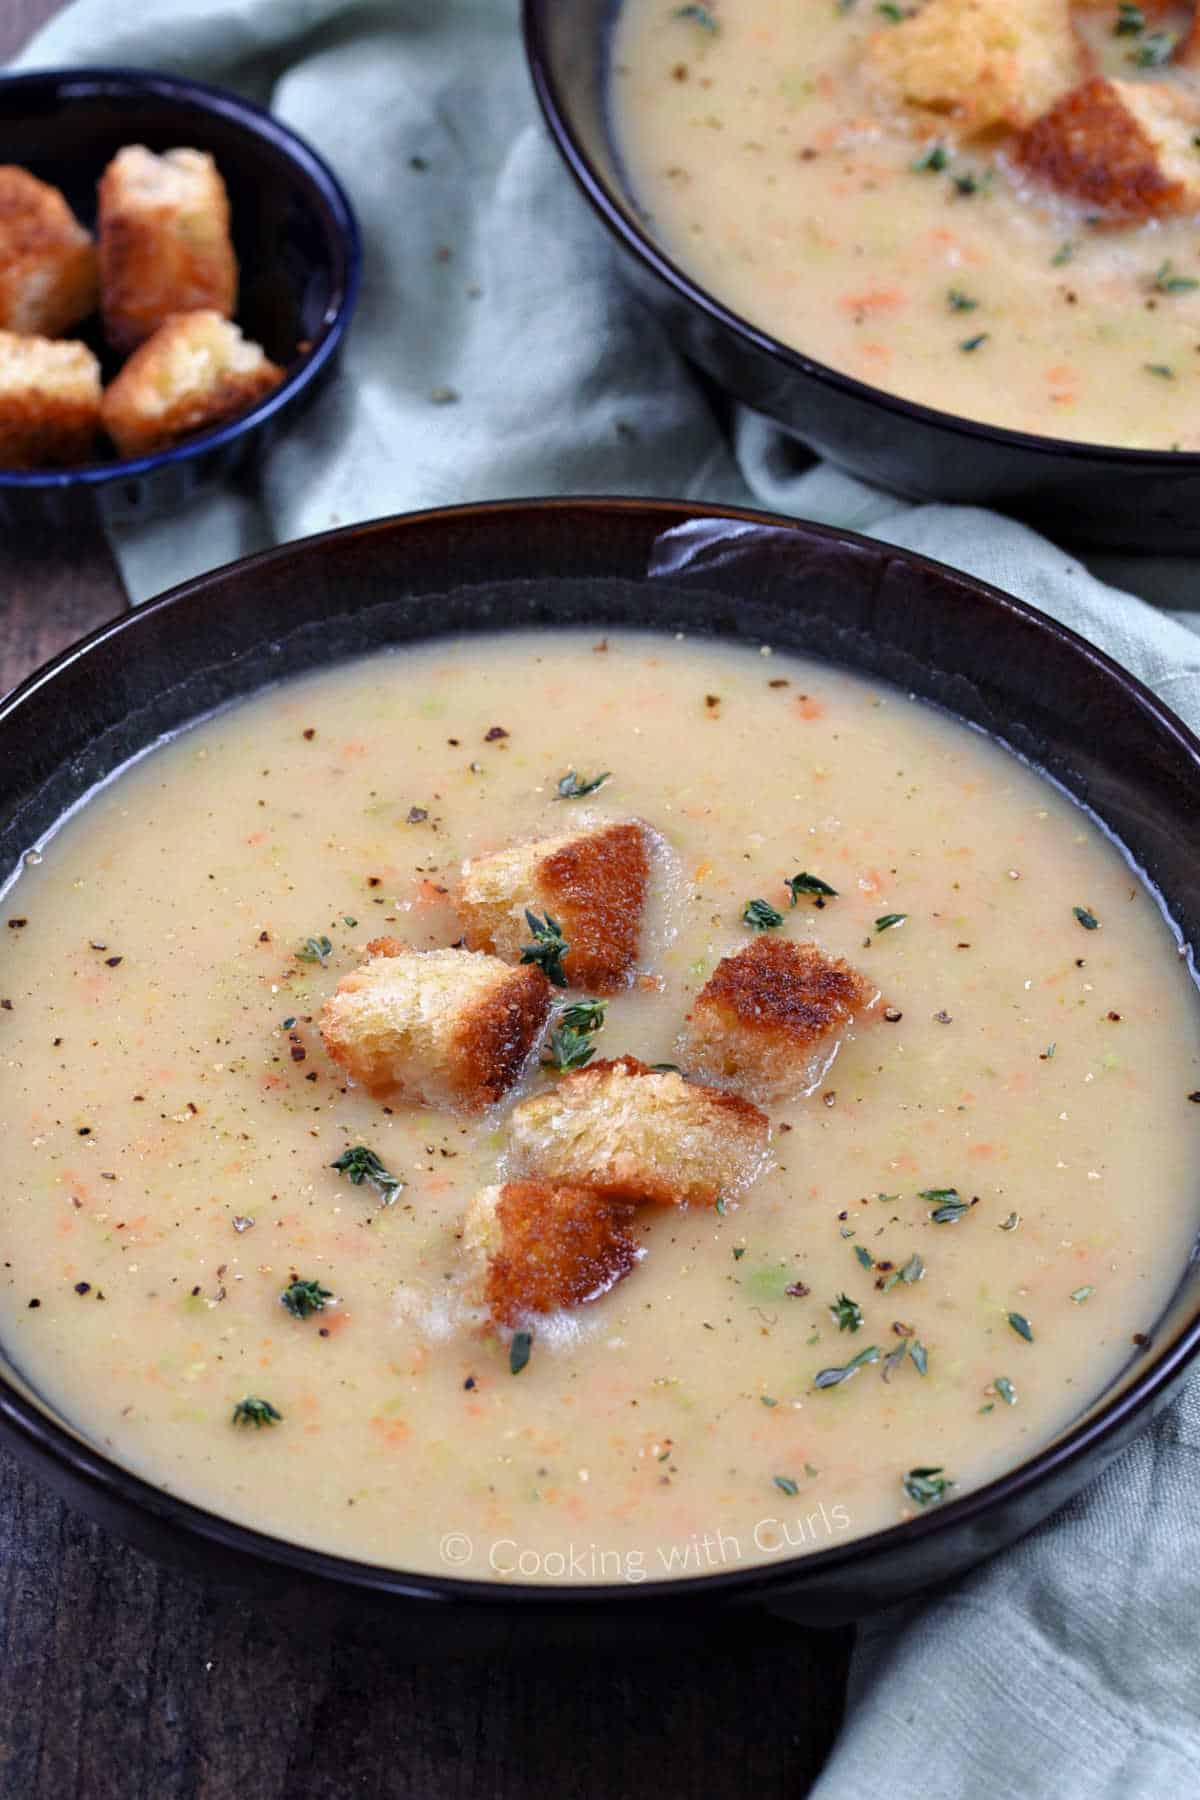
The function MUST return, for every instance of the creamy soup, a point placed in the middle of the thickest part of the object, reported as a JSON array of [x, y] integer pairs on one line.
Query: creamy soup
[[878, 241], [170, 1119]]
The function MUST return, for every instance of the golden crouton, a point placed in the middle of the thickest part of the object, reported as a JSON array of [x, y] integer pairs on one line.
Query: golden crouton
[[194, 372], [543, 1246], [48, 278], [636, 1133], [1126, 148], [439, 1027], [978, 63], [767, 1017], [49, 402], [592, 882], [163, 228]]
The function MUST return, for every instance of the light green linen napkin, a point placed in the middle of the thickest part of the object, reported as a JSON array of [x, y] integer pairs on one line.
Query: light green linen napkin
[[1069, 1665]]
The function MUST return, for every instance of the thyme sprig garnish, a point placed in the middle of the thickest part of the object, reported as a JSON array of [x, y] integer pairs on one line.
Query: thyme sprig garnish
[[949, 1206], [847, 1313], [832, 1377], [570, 1042], [927, 1486], [256, 1412], [760, 915], [548, 948], [304, 1298], [360, 1165], [573, 787]]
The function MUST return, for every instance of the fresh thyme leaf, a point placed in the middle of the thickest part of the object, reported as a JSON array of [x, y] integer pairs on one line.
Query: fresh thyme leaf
[[719, 1205], [1156, 47], [950, 1208], [347, 920], [1021, 1326], [960, 302], [760, 915], [567, 1048], [573, 786], [785, 1484], [315, 949], [360, 1164], [831, 1377], [739, 1250], [934, 159], [890, 10], [1063, 254], [887, 921], [303, 1298], [864, 1256], [920, 1356], [256, 1412], [548, 948], [584, 1015], [767, 1400], [973, 343], [288, 1023], [665, 1069], [893, 1360], [805, 883], [519, 1351], [1166, 281], [913, 1270], [888, 1199], [1082, 1294], [699, 15], [1087, 919], [1163, 370], [1011, 1223], [847, 1313], [1131, 20], [926, 1485], [1005, 1389]]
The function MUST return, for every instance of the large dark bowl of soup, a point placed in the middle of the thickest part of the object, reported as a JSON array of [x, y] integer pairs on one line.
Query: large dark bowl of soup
[[979, 427], [827, 637]]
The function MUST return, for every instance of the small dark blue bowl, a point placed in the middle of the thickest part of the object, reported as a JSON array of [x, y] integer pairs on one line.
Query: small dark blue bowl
[[295, 236]]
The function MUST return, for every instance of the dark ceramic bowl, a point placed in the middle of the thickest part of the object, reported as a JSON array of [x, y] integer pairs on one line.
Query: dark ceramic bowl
[[740, 577], [1091, 495], [293, 231]]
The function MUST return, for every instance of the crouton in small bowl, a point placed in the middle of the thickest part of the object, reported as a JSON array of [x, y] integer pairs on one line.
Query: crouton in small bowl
[[178, 273], [949, 245]]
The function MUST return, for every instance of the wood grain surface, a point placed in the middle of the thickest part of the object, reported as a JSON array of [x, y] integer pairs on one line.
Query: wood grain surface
[[122, 1680]]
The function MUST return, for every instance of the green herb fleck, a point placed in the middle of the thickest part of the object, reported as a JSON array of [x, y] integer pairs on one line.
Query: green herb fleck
[[360, 1164], [847, 1313], [890, 10], [739, 1250], [573, 786], [809, 884], [1006, 1390], [785, 1484], [548, 948], [315, 949], [1163, 370], [1131, 20], [303, 1298], [1166, 281], [926, 1485], [894, 1359], [760, 915], [934, 159], [831, 1377], [950, 1206], [973, 343], [887, 921], [288, 1023], [969, 182], [1021, 1326], [864, 1256], [990, 1407], [1063, 254], [347, 920], [1155, 49], [256, 1412], [719, 1205], [699, 15], [768, 1400], [960, 302], [518, 1351], [920, 1357], [1011, 1223], [913, 1270], [1082, 1294], [1087, 919], [570, 1045]]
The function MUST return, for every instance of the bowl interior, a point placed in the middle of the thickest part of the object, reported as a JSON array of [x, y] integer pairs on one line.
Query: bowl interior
[[931, 631], [289, 222]]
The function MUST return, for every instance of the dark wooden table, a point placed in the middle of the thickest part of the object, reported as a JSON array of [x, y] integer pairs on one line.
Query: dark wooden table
[[121, 1680]]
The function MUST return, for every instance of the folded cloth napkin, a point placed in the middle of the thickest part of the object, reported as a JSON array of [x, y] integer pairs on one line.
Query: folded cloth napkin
[[1068, 1665]]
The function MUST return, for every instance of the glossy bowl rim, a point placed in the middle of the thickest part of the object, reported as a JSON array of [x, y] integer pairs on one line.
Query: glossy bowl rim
[[642, 247], [24, 1420], [257, 122]]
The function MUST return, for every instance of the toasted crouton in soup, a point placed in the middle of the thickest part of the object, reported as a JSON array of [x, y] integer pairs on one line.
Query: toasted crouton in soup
[[447, 1028], [195, 372], [978, 64], [592, 882], [767, 1020], [49, 402], [164, 243], [1126, 148], [637, 1133], [542, 1246], [48, 278]]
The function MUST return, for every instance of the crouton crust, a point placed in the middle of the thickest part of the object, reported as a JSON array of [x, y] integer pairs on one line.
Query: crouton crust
[[980, 63], [48, 275], [764, 1011], [548, 1246], [1121, 146], [640, 1134], [49, 402], [593, 883], [436, 1027], [196, 371], [164, 242]]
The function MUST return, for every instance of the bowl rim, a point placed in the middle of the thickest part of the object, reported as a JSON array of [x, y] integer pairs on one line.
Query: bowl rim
[[24, 1419], [643, 248], [256, 122]]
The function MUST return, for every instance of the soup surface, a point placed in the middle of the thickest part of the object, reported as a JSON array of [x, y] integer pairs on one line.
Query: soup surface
[[876, 240], [170, 1118]]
